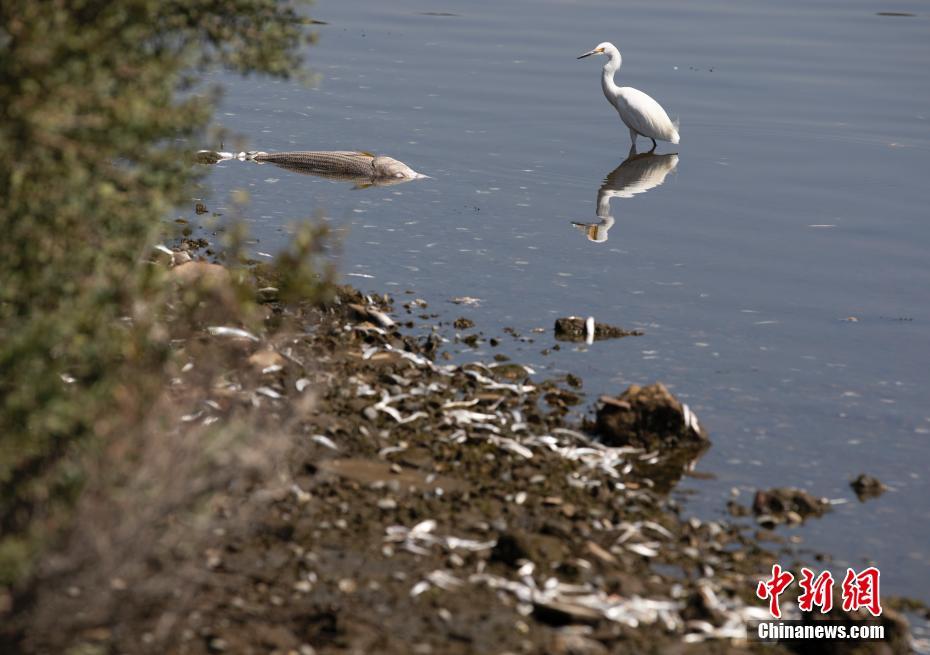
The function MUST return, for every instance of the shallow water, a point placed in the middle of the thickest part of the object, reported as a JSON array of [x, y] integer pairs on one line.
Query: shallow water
[[797, 201]]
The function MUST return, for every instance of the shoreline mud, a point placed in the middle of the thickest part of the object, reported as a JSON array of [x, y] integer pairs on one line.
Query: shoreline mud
[[387, 502]]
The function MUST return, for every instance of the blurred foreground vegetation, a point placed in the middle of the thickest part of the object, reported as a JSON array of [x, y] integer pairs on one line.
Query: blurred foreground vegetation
[[98, 106]]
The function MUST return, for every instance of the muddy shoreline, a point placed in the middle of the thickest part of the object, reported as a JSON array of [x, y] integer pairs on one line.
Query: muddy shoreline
[[406, 505]]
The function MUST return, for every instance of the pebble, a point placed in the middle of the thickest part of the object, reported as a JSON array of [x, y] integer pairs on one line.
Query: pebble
[[213, 558], [347, 586]]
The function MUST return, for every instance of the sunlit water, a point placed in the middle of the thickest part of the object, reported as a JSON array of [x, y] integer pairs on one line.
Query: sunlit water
[[797, 202]]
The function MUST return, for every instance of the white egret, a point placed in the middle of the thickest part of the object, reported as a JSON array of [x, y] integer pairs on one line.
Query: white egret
[[639, 111]]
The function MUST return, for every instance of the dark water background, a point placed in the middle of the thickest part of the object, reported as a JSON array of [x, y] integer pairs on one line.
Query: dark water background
[[798, 200]]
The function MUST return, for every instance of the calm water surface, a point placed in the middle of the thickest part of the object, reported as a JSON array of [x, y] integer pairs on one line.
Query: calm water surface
[[797, 200]]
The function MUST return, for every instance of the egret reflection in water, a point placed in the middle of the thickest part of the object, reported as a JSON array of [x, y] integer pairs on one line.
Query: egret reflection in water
[[637, 174]]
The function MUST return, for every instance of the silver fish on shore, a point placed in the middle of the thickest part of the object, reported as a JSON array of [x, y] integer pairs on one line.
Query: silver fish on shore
[[363, 168]]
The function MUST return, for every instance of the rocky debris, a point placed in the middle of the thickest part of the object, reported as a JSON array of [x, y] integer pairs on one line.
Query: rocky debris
[[463, 323], [208, 291], [510, 371], [192, 272], [559, 613], [702, 605], [207, 157], [517, 547], [867, 487], [573, 642], [266, 360], [398, 479], [787, 505], [572, 328], [737, 510], [649, 417], [561, 398]]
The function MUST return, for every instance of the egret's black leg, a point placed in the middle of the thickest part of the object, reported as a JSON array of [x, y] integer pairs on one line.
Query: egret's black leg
[[654, 144]]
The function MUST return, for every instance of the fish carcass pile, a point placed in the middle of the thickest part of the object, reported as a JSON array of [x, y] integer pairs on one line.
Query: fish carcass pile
[[443, 508], [425, 507]]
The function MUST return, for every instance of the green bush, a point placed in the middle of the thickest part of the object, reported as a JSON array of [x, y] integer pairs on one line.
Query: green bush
[[98, 102]]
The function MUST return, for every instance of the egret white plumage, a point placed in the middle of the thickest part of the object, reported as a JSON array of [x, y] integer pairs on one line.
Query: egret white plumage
[[639, 111]]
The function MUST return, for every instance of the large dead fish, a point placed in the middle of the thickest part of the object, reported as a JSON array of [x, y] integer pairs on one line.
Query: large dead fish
[[363, 168]]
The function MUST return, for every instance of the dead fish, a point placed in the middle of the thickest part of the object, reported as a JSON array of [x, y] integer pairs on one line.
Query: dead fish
[[269, 392], [494, 385], [223, 331], [323, 440], [384, 406], [371, 314], [421, 537], [364, 168], [513, 446], [690, 419], [586, 603]]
